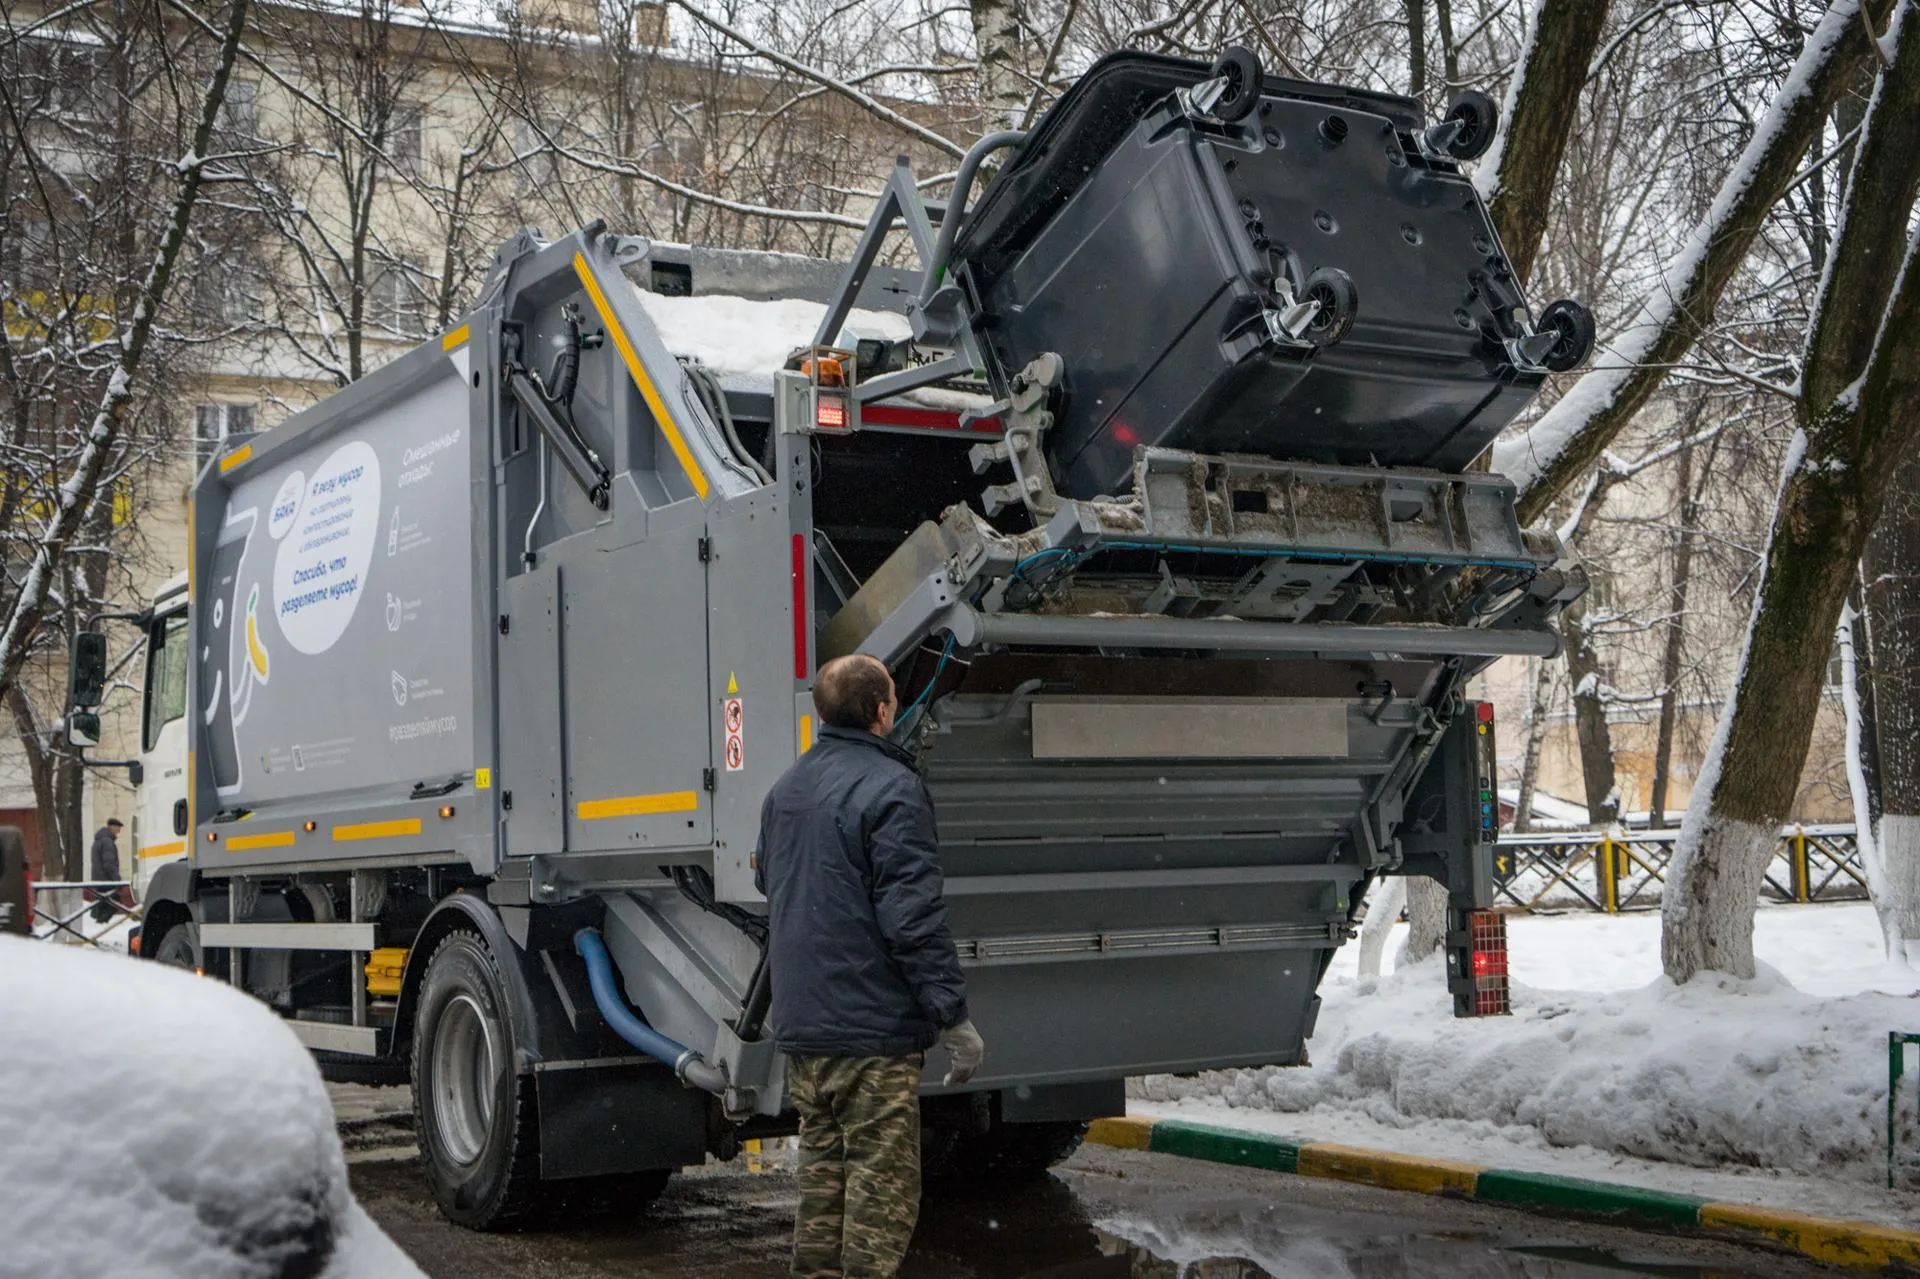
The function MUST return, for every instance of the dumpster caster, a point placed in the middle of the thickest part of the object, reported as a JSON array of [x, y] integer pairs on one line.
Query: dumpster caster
[[1241, 70], [1468, 128], [1339, 301], [1572, 327]]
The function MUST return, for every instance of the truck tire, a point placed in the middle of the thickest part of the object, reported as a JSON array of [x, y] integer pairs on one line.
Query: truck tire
[[174, 947], [475, 1118]]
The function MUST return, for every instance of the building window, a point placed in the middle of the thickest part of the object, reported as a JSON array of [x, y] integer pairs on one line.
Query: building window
[[539, 165], [215, 424], [231, 291], [403, 139], [239, 119], [394, 298]]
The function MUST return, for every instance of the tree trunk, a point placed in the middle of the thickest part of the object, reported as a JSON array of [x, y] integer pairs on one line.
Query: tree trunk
[[33, 745], [1590, 717], [1676, 633], [1536, 739], [1003, 90], [1892, 573], [1859, 406], [1383, 912], [1519, 177], [1417, 47], [1569, 439], [1449, 53], [1426, 919]]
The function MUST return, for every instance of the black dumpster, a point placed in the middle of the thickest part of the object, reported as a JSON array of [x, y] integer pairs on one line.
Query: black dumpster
[[1271, 267]]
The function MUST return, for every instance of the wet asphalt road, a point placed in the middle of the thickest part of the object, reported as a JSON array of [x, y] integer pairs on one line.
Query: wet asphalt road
[[1106, 1214]]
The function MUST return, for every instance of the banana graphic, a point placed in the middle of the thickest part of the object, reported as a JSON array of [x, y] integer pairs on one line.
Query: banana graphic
[[256, 652]]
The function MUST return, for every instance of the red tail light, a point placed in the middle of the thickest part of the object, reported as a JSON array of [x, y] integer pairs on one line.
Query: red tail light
[[1487, 931]]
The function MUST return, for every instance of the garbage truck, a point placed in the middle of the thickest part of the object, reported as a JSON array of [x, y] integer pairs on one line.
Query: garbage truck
[[1148, 477]]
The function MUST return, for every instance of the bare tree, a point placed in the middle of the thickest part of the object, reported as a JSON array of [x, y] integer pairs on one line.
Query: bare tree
[[109, 135], [1858, 408]]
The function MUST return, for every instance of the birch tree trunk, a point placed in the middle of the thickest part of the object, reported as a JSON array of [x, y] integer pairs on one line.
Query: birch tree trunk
[[1568, 440], [1892, 573], [1859, 405], [1383, 912], [1426, 918], [1003, 90], [1536, 739]]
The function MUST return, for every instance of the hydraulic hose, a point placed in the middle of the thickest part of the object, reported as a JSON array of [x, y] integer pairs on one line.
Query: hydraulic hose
[[957, 203], [689, 1065]]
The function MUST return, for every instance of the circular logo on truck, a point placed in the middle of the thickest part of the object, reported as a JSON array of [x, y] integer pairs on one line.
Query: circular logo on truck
[[320, 570]]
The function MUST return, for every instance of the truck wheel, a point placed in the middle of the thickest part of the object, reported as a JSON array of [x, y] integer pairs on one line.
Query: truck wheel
[[179, 944], [475, 1117]]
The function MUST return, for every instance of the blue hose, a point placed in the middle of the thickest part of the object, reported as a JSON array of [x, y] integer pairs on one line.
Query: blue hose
[[689, 1065]]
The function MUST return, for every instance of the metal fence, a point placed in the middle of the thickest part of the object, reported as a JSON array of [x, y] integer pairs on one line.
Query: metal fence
[[61, 911], [1619, 870]]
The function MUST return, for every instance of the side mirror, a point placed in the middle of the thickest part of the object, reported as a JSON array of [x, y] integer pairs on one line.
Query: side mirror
[[83, 729], [87, 671], [136, 772]]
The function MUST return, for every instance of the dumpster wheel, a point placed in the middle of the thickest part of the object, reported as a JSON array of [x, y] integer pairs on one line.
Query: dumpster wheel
[[1339, 302]]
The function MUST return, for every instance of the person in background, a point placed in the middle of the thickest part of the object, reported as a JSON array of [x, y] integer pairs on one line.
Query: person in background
[[865, 975], [104, 867]]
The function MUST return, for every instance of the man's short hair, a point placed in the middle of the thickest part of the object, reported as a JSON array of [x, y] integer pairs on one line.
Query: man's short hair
[[849, 691]]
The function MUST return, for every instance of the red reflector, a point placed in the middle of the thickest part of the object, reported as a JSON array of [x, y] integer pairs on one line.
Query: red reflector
[[802, 623], [830, 412], [1485, 712]]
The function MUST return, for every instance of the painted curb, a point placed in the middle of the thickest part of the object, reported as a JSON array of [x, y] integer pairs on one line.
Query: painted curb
[[1858, 1244]]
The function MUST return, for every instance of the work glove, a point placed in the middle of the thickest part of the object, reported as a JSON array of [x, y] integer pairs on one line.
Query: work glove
[[965, 1050]]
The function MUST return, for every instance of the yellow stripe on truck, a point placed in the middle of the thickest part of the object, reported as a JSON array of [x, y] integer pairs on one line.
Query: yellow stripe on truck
[[679, 801], [457, 338], [378, 830], [668, 427], [270, 839], [174, 849], [235, 458]]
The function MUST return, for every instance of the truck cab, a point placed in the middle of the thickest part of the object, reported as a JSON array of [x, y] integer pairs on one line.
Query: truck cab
[[160, 799]]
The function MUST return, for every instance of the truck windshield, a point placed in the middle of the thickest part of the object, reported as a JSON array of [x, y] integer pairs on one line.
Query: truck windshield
[[166, 675]]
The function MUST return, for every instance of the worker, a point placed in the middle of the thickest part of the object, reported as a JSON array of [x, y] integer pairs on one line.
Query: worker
[[105, 868], [865, 975]]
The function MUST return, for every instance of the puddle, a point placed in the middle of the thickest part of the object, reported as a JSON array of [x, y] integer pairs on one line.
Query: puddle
[[1048, 1231]]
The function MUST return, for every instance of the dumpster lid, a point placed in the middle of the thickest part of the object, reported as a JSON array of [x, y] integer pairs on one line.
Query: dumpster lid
[[1084, 126]]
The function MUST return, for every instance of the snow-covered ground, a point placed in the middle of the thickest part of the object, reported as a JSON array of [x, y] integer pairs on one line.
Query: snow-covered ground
[[155, 1123], [1770, 1091]]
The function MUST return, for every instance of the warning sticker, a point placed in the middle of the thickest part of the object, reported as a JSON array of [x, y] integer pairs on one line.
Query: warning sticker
[[736, 720]]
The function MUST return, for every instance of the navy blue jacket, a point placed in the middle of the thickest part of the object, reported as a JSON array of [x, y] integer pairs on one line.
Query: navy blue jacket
[[862, 961]]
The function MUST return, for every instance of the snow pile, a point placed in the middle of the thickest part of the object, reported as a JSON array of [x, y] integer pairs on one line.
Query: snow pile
[[158, 1124], [1717, 1072]]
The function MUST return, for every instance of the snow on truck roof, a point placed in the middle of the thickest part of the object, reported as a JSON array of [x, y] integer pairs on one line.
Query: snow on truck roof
[[160, 1123]]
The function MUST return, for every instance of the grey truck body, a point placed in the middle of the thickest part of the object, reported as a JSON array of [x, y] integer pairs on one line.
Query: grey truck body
[[471, 662]]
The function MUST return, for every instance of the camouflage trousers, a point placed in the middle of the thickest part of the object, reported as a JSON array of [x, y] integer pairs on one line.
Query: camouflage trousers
[[859, 1164]]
